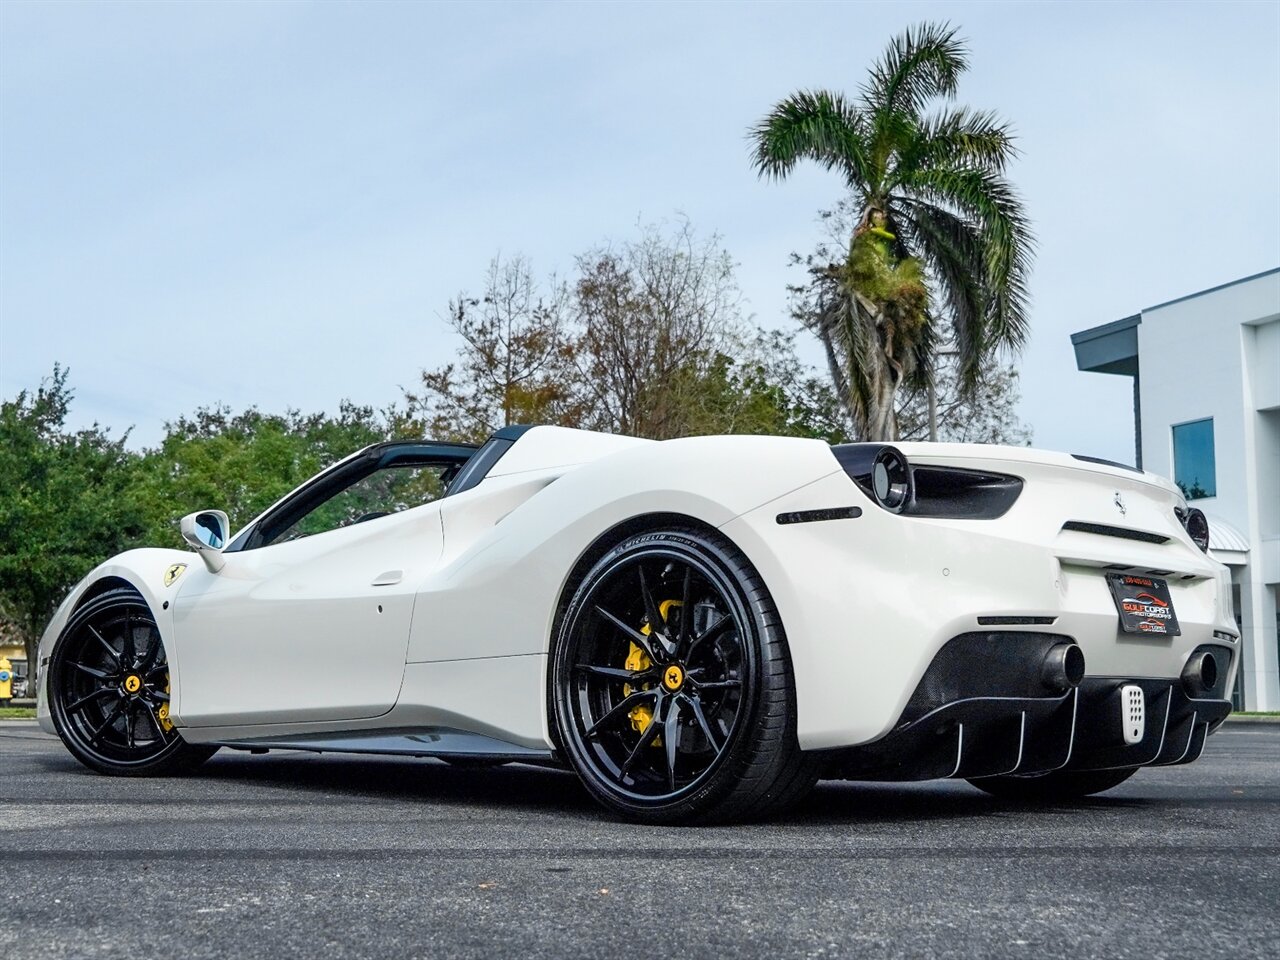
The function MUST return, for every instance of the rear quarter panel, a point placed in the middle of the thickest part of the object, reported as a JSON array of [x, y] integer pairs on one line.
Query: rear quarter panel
[[497, 591]]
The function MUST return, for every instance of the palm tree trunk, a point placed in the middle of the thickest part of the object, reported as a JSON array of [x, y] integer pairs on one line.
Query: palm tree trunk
[[882, 412], [882, 416], [933, 410], [838, 378]]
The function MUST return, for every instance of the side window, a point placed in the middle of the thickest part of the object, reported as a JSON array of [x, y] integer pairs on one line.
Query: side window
[[1194, 470], [383, 492]]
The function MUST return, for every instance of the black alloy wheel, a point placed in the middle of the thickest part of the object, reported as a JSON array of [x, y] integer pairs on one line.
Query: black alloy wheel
[[672, 686], [109, 691], [1060, 786]]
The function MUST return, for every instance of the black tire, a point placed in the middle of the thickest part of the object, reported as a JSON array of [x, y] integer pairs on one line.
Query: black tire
[[706, 731], [1058, 786], [108, 691]]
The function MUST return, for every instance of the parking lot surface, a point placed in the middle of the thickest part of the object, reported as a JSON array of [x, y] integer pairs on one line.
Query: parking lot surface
[[289, 855]]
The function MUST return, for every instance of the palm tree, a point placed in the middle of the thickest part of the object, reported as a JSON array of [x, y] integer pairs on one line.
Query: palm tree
[[938, 228]]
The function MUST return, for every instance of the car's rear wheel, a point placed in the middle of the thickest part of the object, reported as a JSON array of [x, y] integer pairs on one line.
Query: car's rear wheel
[[672, 685], [109, 691], [1060, 785]]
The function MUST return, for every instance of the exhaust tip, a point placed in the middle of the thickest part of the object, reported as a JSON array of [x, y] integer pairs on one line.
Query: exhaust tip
[[1200, 675], [1063, 667]]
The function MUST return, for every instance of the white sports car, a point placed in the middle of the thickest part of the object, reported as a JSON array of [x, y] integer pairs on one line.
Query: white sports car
[[700, 628]]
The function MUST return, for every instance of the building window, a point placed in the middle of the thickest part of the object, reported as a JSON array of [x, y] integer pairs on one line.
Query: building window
[[1193, 467]]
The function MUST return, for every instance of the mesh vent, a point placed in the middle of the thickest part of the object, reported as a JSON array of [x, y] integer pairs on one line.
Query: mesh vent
[[1133, 713]]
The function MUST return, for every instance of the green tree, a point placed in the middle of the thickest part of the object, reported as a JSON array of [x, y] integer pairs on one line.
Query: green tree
[[65, 505], [939, 228], [763, 388], [71, 499], [243, 463]]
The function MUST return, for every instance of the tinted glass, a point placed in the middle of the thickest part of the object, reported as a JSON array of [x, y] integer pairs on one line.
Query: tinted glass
[[209, 530], [382, 493], [1193, 466]]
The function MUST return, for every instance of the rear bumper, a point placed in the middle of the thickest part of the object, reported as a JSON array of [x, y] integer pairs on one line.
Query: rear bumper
[[869, 602], [970, 717]]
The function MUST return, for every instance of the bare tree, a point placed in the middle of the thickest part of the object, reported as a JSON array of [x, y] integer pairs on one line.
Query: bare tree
[[515, 362], [985, 413], [648, 339], [649, 312]]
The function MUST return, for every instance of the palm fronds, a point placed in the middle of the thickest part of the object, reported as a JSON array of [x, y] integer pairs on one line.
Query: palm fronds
[[920, 64], [819, 126]]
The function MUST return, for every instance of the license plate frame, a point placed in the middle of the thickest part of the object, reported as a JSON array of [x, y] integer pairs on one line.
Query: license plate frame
[[1144, 604]]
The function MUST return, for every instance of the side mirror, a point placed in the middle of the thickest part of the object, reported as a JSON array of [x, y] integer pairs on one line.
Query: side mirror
[[208, 532]]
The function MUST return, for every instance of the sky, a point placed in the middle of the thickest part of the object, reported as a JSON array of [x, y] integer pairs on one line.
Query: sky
[[271, 204]]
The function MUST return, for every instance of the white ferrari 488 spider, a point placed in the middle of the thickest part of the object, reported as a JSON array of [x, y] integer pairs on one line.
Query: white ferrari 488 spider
[[700, 628]]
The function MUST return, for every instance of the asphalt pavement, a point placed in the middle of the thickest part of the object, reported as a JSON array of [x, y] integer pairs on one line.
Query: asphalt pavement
[[296, 855]]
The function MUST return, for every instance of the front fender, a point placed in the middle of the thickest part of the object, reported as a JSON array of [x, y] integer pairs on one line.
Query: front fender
[[142, 569]]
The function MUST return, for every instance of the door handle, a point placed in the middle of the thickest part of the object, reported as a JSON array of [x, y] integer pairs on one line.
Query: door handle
[[387, 579]]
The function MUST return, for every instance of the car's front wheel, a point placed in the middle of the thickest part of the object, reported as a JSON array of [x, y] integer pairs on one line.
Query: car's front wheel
[[109, 691], [672, 686], [1058, 786]]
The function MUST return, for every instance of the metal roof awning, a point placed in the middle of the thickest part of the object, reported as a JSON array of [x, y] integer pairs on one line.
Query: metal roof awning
[[1226, 543], [1110, 348], [1113, 348]]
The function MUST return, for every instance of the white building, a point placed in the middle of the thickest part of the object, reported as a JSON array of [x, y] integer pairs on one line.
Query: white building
[[1206, 398]]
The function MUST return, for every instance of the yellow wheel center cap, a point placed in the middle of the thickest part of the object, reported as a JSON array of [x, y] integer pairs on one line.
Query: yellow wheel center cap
[[133, 683], [673, 678]]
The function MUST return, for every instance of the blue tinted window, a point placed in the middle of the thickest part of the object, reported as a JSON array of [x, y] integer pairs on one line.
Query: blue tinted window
[[1193, 468]]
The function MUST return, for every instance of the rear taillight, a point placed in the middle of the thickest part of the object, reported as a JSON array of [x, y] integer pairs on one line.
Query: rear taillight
[[880, 470], [891, 480], [926, 490], [1197, 526]]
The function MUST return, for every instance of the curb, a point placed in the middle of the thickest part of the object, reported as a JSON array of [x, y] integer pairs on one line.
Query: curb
[[1238, 721]]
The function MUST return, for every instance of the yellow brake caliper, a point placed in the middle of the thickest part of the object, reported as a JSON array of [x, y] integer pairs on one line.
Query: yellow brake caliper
[[637, 660], [163, 713]]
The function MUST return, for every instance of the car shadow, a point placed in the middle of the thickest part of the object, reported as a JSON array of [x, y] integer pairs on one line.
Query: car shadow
[[532, 788], [400, 778], [835, 802]]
